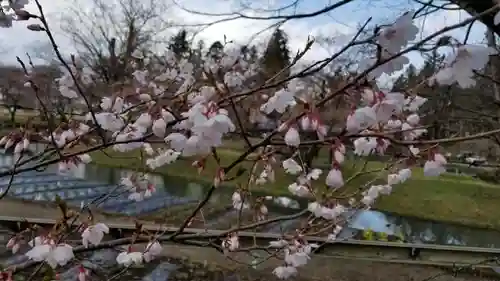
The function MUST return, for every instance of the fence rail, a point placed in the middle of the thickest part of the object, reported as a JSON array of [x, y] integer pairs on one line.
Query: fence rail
[[377, 251]]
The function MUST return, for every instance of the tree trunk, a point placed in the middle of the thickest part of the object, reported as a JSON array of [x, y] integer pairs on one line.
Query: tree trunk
[[12, 112]]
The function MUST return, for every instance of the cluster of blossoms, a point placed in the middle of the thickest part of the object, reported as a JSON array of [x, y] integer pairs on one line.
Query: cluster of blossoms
[[259, 206], [130, 257], [139, 186], [47, 248], [20, 142], [192, 121], [297, 253], [379, 117]]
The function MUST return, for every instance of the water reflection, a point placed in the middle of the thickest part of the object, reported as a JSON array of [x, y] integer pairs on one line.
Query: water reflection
[[375, 221], [172, 186], [410, 229], [286, 202], [423, 231]]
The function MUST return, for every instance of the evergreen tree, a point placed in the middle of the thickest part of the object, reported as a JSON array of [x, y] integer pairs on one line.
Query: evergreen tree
[[197, 53], [253, 53], [216, 50], [411, 76], [277, 55], [400, 83], [179, 44]]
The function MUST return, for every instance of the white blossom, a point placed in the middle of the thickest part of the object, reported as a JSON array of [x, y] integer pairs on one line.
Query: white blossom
[[292, 137], [129, 258], [334, 178], [94, 234], [291, 166], [460, 65], [52, 253]]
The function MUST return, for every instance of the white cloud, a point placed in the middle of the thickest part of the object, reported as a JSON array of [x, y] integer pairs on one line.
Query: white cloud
[[19, 40], [241, 31]]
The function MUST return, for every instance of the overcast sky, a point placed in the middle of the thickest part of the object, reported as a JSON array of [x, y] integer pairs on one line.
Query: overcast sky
[[340, 23]]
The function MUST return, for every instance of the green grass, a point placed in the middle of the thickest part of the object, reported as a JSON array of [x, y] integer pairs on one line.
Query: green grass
[[182, 168], [449, 198]]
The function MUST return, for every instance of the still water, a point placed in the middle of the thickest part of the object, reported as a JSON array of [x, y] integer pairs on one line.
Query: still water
[[410, 229]]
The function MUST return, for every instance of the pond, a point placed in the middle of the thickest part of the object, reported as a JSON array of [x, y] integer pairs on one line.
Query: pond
[[82, 184]]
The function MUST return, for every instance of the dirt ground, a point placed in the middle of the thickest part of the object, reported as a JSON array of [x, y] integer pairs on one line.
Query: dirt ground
[[13, 207], [319, 268]]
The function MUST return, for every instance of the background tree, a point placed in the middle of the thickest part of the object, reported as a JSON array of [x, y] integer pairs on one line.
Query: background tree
[[216, 50], [276, 56], [180, 45], [107, 33]]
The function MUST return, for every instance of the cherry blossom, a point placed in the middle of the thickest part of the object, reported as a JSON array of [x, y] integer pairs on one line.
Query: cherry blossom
[[94, 234], [163, 158], [404, 174], [22, 146], [281, 100], [393, 179], [139, 186], [129, 258], [292, 137], [413, 103], [338, 156], [334, 178], [153, 250], [361, 119], [413, 119], [388, 105], [314, 174], [231, 243], [13, 244], [83, 273], [72, 163], [299, 190], [52, 253], [460, 65], [285, 272], [435, 166], [238, 202], [278, 244], [291, 166], [321, 211], [364, 146], [336, 231], [297, 254], [399, 34]]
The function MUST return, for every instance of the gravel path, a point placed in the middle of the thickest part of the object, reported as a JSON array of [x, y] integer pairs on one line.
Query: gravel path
[[13, 207]]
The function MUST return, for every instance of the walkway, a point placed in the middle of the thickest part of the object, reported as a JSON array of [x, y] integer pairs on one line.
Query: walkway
[[14, 207]]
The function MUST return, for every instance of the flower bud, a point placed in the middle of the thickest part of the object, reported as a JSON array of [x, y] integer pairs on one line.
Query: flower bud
[[35, 27], [24, 15]]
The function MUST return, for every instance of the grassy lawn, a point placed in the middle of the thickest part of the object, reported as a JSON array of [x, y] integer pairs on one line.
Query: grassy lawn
[[182, 168], [449, 198]]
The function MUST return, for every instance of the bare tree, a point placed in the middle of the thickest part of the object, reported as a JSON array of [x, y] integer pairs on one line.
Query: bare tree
[[13, 94], [107, 33]]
